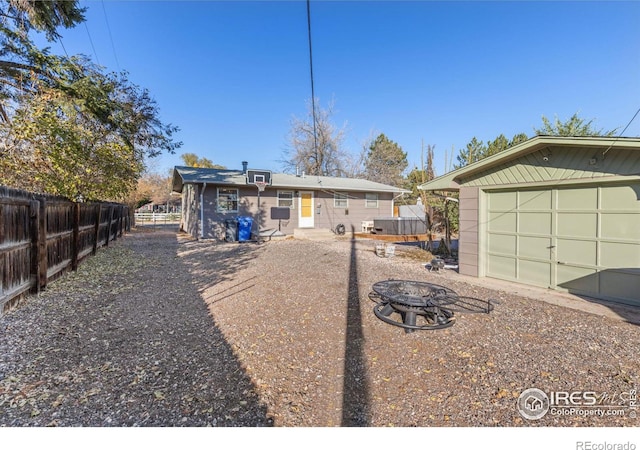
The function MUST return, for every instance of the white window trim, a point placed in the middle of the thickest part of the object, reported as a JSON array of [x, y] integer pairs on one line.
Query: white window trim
[[366, 200], [344, 197], [293, 198], [218, 200]]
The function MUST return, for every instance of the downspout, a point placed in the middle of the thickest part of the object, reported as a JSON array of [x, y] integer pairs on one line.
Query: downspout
[[204, 186]]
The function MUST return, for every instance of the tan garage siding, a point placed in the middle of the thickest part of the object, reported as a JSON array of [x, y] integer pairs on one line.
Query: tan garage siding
[[468, 242]]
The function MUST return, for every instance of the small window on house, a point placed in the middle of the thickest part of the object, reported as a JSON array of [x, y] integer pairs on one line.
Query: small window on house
[[285, 199], [227, 200], [340, 200], [370, 200]]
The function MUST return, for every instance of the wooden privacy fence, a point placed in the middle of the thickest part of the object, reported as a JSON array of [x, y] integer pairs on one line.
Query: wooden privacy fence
[[42, 236]]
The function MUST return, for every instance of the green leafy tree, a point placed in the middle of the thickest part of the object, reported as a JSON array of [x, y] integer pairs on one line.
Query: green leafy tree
[[50, 147], [385, 161], [21, 63], [66, 127], [193, 160], [46, 16], [574, 126]]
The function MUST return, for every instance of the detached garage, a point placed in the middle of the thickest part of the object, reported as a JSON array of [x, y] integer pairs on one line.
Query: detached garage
[[555, 212]]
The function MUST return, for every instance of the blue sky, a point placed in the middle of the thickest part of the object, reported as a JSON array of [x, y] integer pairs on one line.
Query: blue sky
[[231, 75]]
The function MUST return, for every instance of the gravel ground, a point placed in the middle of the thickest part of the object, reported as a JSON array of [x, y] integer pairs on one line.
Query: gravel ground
[[160, 330]]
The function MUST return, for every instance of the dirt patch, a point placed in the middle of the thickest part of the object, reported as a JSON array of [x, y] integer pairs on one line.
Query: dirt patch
[[158, 331]]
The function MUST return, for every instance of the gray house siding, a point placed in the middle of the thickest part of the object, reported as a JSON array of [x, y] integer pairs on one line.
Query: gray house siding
[[214, 220], [354, 213], [326, 215]]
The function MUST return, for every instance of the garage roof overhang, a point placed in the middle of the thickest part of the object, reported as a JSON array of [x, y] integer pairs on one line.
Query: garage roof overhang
[[452, 180]]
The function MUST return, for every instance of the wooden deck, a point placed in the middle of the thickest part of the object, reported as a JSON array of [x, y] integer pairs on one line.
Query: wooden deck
[[394, 237]]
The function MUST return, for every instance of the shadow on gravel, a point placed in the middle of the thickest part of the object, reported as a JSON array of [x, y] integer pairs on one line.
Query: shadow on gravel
[[355, 397], [211, 263], [128, 341]]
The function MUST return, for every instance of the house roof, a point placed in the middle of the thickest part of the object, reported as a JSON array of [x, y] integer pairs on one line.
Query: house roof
[[195, 175], [451, 180]]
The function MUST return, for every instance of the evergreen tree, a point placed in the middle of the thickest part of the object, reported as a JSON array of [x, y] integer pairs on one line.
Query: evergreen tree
[[385, 161], [574, 126]]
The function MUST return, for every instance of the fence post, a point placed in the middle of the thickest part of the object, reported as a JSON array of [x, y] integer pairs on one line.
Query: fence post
[[121, 221], [109, 225], [97, 228], [41, 274], [75, 237], [34, 219]]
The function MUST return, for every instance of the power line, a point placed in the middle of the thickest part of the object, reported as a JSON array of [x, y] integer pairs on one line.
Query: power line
[[621, 133], [313, 95], [91, 42], [113, 47]]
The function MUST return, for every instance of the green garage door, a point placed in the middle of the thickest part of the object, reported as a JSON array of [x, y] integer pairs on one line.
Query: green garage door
[[585, 240]]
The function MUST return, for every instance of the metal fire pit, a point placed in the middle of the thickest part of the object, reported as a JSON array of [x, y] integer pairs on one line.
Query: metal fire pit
[[420, 305]]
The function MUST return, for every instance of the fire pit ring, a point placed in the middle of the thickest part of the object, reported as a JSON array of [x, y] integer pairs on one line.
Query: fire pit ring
[[414, 300]]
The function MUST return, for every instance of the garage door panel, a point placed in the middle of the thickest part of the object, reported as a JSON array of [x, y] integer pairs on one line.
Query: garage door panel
[[535, 223], [500, 243], [535, 272], [577, 252], [620, 284], [620, 226], [505, 201], [616, 254], [620, 198], [502, 267], [578, 199], [577, 278], [504, 222], [535, 200], [534, 247], [577, 224]]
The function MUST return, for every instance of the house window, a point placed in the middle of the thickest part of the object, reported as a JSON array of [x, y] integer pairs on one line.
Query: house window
[[370, 200], [285, 199], [340, 200], [227, 200]]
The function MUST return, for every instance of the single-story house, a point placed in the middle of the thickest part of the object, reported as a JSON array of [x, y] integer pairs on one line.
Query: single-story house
[[558, 212], [212, 196]]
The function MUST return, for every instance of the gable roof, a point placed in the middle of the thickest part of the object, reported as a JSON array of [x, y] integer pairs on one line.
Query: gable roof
[[451, 181], [185, 175]]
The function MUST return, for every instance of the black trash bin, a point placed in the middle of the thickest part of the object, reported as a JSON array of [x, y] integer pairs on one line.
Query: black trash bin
[[244, 228], [231, 230]]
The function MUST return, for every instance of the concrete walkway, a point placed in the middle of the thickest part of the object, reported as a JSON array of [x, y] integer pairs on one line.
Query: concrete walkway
[[604, 308]]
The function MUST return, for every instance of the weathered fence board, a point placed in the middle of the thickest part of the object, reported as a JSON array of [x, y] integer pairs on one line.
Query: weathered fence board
[[43, 236]]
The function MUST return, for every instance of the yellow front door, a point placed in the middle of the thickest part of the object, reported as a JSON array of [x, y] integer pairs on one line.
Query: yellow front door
[[305, 218]]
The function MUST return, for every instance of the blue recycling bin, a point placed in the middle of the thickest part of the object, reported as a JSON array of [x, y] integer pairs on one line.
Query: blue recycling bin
[[244, 228]]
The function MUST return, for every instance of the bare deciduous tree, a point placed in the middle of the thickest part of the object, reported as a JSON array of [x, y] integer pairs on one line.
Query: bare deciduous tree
[[316, 150]]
